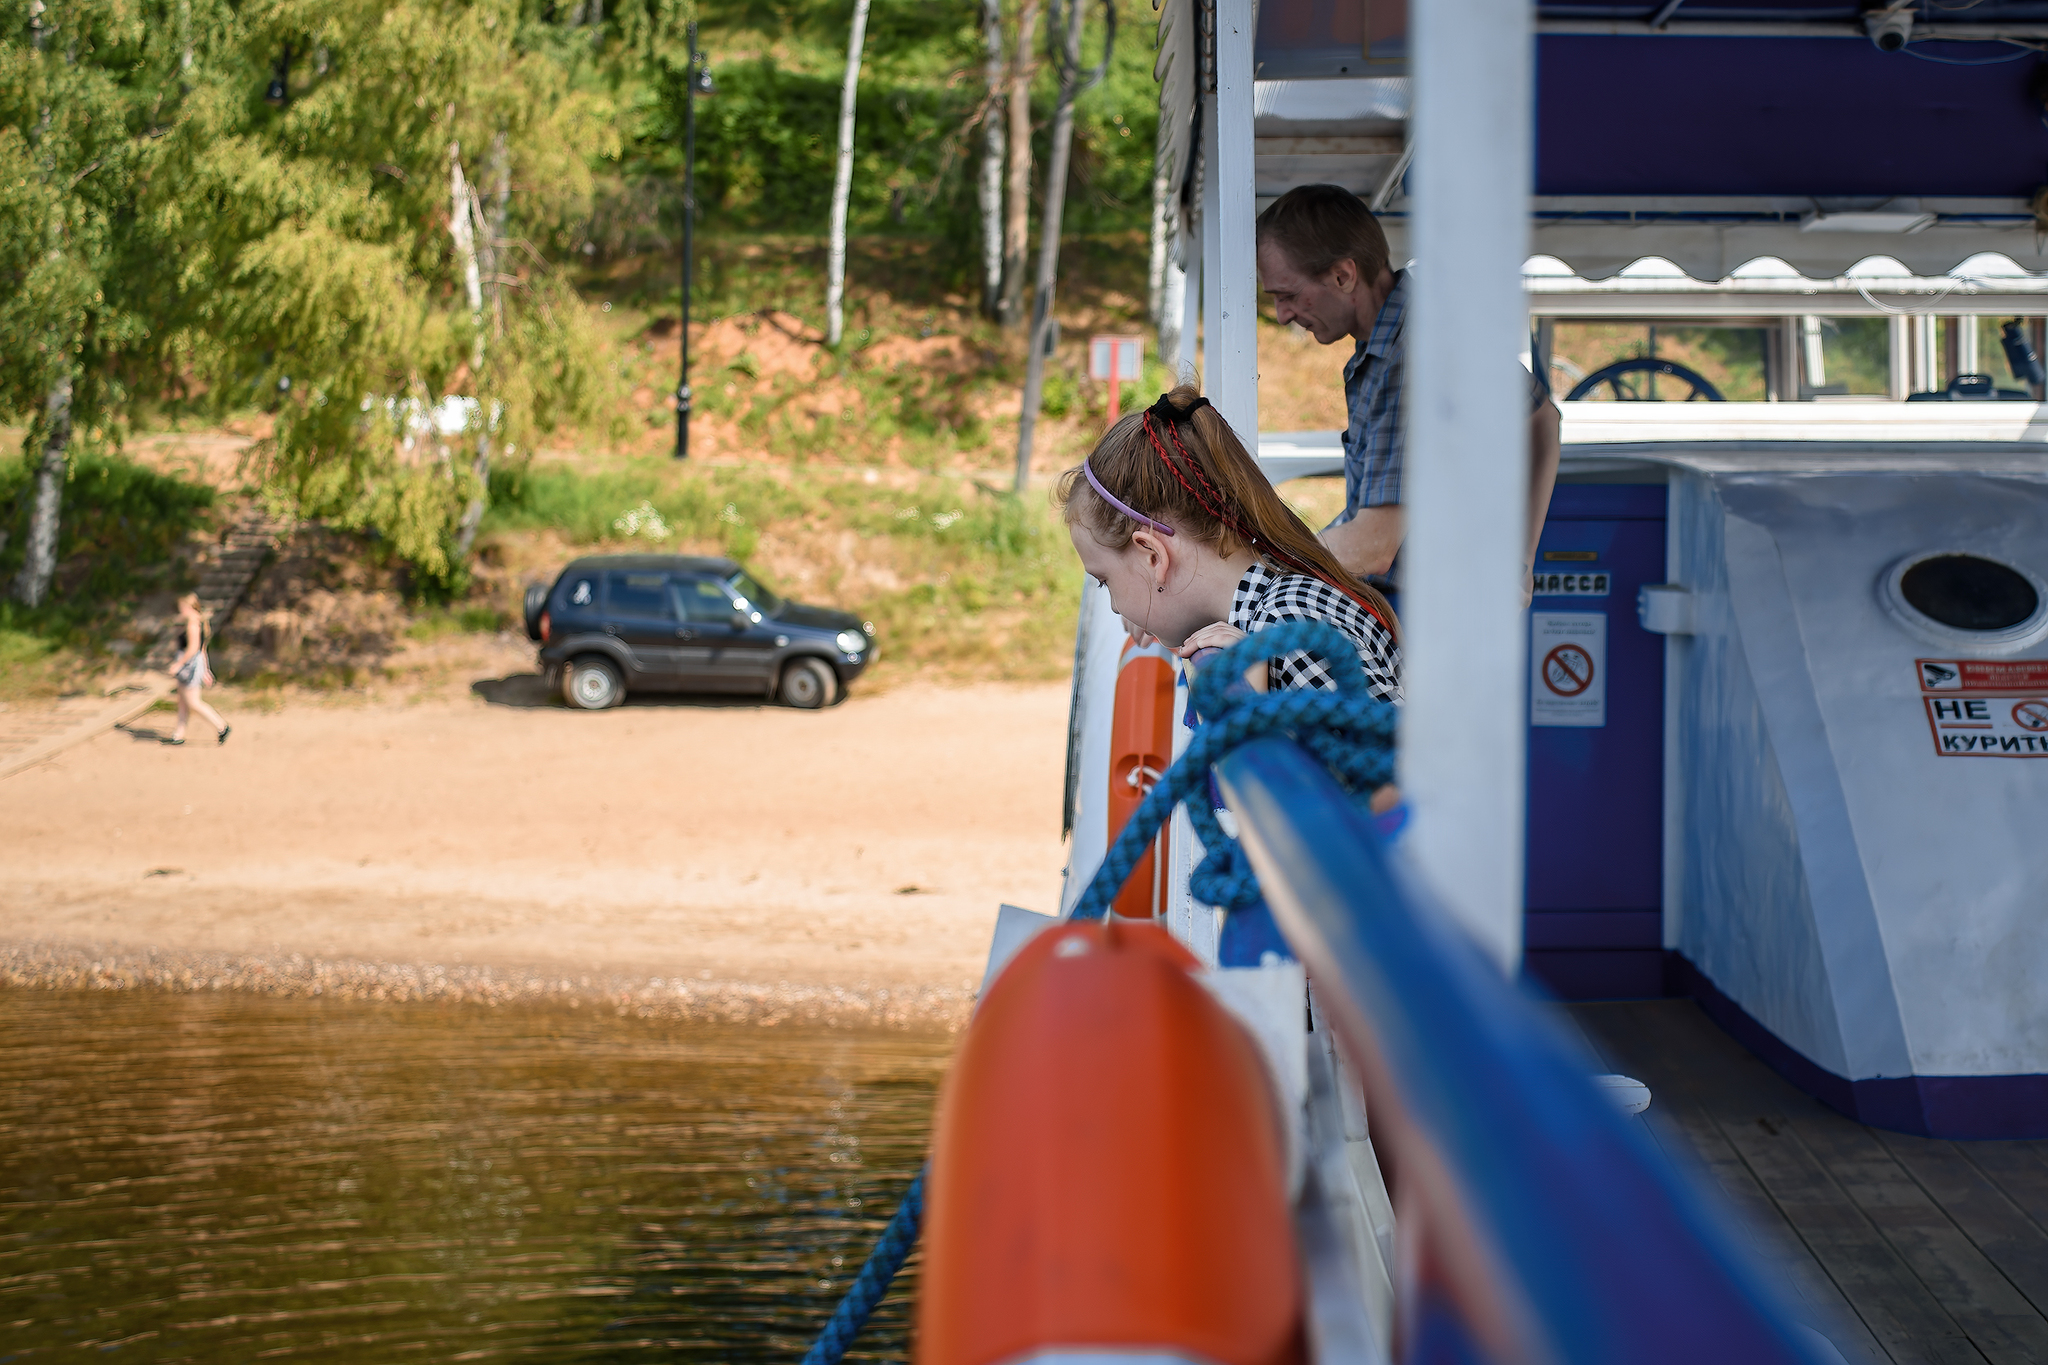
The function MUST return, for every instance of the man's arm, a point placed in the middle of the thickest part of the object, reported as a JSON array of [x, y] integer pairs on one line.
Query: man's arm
[[1543, 452], [1368, 542]]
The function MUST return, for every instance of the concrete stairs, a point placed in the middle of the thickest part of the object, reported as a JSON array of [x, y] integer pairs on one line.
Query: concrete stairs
[[31, 732]]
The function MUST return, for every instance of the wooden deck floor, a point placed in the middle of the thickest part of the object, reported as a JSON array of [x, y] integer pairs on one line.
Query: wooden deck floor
[[1897, 1248]]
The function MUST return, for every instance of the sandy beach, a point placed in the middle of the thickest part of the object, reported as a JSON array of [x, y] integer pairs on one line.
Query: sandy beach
[[724, 858]]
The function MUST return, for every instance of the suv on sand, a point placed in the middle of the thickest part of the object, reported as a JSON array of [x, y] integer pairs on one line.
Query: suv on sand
[[673, 623]]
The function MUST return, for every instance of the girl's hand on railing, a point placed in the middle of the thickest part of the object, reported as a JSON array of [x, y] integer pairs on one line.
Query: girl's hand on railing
[[1215, 635], [1213, 639]]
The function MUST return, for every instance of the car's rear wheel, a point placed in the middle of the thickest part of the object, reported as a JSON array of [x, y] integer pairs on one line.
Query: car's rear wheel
[[807, 684], [592, 684]]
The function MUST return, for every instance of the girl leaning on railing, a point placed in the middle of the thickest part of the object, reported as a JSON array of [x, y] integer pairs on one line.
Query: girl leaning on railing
[[1172, 515]]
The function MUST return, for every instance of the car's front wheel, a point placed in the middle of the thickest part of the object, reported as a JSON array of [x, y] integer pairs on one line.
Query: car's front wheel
[[592, 684], [807, 684]]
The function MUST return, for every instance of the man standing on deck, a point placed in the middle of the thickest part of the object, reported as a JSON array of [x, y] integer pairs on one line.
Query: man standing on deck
[[1324, 259]]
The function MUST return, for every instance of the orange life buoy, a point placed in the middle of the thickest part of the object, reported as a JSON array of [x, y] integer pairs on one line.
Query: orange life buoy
[[1140, 752], [1109, 1168]]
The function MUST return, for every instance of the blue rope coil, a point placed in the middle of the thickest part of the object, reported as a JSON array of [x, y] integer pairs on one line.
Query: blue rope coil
[[1349, 730]]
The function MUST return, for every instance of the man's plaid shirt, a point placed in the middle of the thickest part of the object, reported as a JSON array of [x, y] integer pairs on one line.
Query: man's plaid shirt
[[1376, 437], [1373, 436], [1266, 596]]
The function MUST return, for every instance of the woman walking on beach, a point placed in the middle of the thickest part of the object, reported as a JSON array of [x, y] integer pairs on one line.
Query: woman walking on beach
[[192, 673]]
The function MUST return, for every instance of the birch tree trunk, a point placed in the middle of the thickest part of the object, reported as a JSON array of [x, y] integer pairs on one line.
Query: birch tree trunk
[[992, 163], [461, 228], [1073, 81], [842, 182], [1017, 206], [465, 222], [39, 564], [493, 226]]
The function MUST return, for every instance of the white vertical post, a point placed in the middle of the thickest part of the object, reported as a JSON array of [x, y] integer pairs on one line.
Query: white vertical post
[[1230, 274], [1901, 376], [1187, 362], [1926, 354], [1464, 730], [1212, 252], [1812, 351], [1966, 344]]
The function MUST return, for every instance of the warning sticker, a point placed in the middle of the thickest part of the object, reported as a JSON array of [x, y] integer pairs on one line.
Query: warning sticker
[[1989, 727], [1568, 668], [1983, 675], [1570, 584]]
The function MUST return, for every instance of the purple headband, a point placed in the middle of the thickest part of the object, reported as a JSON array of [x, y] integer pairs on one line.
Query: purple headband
[[1133, 513]]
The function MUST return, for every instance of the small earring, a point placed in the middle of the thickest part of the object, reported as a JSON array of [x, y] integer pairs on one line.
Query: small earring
[[1162, 587]]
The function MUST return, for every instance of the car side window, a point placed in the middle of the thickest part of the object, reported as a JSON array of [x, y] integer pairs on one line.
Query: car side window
[[704, 600], [639, 594]]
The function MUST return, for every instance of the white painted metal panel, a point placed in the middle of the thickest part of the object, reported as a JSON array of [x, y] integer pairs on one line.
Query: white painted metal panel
[[1463, 743], [1230, 283]]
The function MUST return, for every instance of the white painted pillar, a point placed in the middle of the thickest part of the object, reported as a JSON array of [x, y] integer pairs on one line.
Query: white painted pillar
[[1172, 317], [1464, 730], [1926, 354], [1230, 274], [1813, 353], [1966, 344], [1212, 251], [1901, 376]]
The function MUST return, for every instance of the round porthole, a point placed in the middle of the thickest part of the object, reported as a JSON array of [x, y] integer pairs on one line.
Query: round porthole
[[1954, 597]]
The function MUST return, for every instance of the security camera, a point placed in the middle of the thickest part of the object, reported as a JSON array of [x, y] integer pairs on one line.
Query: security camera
[[1889, 29]]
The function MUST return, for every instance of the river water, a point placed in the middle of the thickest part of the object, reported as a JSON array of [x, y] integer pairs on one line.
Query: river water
[[230, 1178]]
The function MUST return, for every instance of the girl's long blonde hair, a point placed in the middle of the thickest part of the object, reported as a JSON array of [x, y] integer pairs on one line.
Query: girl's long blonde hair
[[1189, 470]]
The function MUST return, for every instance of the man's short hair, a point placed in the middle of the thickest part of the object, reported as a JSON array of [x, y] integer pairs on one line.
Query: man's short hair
[[1320, 225]]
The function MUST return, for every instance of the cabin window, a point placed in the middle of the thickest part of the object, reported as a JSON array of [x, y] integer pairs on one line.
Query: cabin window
[[1968, 592]]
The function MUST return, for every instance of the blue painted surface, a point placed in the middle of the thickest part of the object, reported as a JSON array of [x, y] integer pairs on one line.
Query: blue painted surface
[[1595, 834], [1611, 1252], [1948, 130]]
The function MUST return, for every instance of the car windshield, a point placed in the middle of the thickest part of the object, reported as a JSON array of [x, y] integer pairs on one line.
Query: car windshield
[[757, 594]]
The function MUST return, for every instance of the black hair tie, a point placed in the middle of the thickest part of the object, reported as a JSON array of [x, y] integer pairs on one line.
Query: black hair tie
[[1165, 411]]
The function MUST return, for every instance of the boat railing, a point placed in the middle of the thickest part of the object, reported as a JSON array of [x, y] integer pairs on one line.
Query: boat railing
[[1537, 1221]]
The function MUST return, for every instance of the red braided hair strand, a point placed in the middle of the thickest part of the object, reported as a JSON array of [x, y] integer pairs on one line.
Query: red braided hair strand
[[1220, 511]]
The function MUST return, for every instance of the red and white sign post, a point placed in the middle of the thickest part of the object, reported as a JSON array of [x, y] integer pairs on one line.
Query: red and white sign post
[[1116, 359]]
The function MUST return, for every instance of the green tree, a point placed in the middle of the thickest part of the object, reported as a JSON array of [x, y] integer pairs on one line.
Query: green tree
[[86, 90], [335, 210], [376, 251]]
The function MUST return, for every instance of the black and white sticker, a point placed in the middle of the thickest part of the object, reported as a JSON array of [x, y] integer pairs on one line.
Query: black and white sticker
[[1570, 584]]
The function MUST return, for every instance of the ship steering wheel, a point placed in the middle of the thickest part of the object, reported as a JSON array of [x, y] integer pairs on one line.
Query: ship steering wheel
[[1635, 381]]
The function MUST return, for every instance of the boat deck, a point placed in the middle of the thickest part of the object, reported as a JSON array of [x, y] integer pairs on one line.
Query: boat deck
[[1898, 1248]]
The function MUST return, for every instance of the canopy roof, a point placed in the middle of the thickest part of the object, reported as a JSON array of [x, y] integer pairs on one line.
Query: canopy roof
[[1767, 287], [1775, 130]]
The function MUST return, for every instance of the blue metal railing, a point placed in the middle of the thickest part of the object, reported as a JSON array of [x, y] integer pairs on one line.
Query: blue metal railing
[[1554, 1230]]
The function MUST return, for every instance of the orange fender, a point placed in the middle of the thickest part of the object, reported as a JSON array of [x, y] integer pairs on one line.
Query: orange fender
[[1109, 1168], [1140, 752]]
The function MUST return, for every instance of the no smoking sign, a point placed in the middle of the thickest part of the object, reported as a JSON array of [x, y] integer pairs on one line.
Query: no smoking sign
[[1568, 668]]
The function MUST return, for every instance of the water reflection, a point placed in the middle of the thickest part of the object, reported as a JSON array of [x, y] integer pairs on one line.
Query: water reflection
[[228, 1178]]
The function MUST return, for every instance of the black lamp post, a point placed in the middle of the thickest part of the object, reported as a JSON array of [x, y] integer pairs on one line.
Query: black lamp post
[[279, 91], [696, 81]]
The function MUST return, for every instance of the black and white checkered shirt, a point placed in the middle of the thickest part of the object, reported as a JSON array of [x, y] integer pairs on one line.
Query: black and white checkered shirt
[[1266, 596]]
